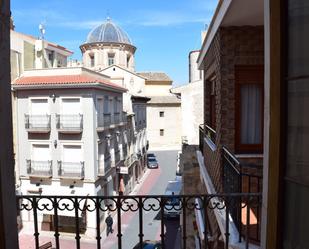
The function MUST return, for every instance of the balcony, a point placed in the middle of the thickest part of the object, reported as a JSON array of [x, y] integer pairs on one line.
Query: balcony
[[124, 118], [69, 123], [120, 118], [210, 135], [37, 123], [117, 118], [71, 170], [104, 166], [104, 121], [141, 205], [130, 160], [235, 180], [41, 169], [117, 157]]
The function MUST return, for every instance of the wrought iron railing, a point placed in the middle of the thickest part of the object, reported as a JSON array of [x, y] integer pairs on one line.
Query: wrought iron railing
[[201, 137], [37, 122], [69, 122], [100, 120], [236, 181], [141, 205], [124, 117], [116, 118], [71, 169], [107, 119], [210, 133], [39, 168]]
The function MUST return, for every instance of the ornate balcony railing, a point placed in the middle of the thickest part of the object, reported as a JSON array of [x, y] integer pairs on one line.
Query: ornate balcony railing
[[39, 168], [69, 123], [71, 169], [116, 118], [37, 123], [141, 205], [236, 181], [210, 133], [100, 120], [124, 118], [107, 119]]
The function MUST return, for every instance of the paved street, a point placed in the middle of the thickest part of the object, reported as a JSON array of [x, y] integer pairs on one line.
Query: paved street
[[154, 182]]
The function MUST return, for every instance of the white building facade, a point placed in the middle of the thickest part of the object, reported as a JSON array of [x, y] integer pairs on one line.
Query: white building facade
[[191, 95], [163, 112], [72, 135]]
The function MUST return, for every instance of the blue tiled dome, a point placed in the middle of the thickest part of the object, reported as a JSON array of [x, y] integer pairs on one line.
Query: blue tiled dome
[[108, 32]]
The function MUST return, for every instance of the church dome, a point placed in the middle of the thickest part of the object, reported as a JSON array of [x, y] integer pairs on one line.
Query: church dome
[[108, 32]]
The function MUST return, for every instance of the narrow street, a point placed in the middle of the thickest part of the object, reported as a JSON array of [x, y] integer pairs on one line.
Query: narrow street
[[155, 183]]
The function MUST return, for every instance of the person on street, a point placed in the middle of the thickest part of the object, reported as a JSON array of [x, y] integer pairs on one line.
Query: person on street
[[109, 224]]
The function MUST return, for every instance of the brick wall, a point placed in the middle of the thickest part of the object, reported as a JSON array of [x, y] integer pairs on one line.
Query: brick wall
[[231, 46]]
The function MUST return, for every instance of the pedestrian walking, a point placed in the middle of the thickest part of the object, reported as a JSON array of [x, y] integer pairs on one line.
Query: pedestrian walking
[[109, 224]]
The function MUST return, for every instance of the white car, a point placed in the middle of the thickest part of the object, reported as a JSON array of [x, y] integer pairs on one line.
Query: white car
[[172, 207]]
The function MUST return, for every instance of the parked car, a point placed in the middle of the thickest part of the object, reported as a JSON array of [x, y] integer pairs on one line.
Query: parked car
[[151, 155], [152, 163], [149, 244], [172, 206]]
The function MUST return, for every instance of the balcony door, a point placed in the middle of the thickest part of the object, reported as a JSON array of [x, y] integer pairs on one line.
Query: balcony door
[[70, 111], [249, 108], [72, 154], [39, 107], [100, 106], [71, 106], [39, 111], [40, 152]]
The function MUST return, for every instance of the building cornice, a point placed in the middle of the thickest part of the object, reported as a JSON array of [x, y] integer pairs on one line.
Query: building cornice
[[94, 45]]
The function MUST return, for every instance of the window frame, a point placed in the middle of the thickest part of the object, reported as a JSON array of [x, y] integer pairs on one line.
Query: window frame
[[161, 132], [244, 75], [110, 56], [92, 60]]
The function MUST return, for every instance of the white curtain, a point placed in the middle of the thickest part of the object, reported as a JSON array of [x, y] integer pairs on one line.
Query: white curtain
[[251, 129]]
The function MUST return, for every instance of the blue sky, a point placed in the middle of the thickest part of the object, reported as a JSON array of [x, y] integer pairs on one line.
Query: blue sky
[[164, 31]]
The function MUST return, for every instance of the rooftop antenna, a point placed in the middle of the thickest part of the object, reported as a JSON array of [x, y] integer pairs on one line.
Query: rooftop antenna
[[42, 31]]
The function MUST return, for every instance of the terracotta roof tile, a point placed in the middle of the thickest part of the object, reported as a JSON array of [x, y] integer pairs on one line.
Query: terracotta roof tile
[[155, 76], [63, 80]]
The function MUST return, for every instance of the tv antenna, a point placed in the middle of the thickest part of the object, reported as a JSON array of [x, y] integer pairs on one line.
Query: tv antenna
[[42, 31]]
